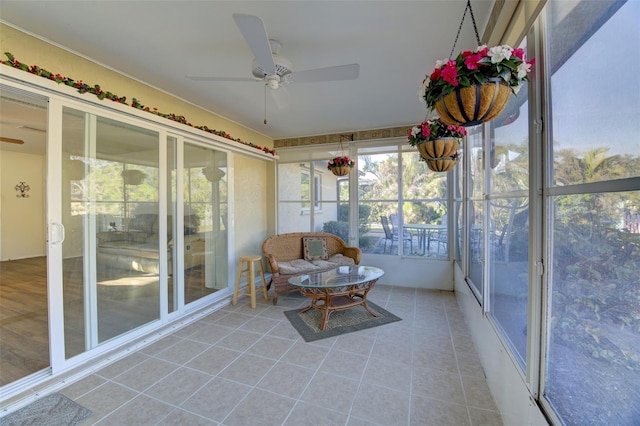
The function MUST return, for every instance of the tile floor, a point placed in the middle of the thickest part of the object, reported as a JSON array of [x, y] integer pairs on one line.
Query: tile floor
[[243, 366]]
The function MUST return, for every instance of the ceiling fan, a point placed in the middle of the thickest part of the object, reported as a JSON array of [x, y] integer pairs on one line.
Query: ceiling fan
[[273, 69]]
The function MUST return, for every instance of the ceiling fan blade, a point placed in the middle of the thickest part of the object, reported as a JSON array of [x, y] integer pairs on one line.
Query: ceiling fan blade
[[11, 140], [255, 34], [205, 78], [341, 72]]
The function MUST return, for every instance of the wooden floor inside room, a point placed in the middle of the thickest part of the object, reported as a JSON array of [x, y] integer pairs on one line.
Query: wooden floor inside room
[[125, 301], [24, 330]]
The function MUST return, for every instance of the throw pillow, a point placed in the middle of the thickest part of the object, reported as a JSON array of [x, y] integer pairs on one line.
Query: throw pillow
[[315, 248]]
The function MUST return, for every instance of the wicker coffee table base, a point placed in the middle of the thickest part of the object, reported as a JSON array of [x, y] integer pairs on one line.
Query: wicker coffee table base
[[329, 300]]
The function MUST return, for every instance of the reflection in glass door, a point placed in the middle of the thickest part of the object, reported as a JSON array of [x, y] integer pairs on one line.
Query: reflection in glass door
[[24, 322], [111, 251], [205, 222]]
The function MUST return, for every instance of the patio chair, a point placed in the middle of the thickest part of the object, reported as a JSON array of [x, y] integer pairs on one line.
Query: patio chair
[[440, 237], [390, 236]]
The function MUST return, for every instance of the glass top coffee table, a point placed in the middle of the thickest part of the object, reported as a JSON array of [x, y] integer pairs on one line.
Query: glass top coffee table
[[337, 289]]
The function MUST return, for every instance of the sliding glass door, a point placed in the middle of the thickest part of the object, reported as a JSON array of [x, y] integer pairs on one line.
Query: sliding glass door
[[111, 227], [113, 233], [204, 258], [24, 316]]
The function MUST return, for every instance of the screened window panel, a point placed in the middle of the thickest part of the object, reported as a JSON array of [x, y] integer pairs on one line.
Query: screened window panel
[[595, 120], [593, 373]]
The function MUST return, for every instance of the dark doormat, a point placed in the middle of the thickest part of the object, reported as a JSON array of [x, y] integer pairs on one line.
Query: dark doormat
[[55, 409], [340, 322]]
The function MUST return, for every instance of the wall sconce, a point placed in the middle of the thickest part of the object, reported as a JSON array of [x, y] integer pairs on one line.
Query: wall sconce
[[23, 188]]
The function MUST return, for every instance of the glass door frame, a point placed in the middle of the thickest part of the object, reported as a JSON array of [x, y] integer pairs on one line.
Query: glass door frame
[[55, 232], [58, 98]]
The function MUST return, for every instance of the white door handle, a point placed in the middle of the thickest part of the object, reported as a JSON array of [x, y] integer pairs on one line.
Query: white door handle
[[57, 233]]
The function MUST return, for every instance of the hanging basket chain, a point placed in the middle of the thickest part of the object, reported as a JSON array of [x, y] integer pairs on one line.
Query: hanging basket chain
[[475, 28]]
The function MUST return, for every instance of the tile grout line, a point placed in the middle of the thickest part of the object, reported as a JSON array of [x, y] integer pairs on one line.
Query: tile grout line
[[455, 355]]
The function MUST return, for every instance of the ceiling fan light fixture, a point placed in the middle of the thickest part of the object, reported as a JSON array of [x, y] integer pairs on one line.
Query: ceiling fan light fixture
[[273, 81]]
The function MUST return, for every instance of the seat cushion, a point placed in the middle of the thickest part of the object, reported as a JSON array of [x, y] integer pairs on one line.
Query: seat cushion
[[296, 266], [301, 266], [333, 262], [126, 249]]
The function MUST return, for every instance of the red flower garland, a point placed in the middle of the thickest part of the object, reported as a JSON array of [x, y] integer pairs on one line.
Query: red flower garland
[[101, 94]]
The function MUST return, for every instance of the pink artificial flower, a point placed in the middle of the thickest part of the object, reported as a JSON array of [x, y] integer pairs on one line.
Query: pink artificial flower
[[471, 62], [519, 53], [450, 73], [426, 130], [484, 51]]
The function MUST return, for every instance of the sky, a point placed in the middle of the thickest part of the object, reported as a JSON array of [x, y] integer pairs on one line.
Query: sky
[[595, 95]]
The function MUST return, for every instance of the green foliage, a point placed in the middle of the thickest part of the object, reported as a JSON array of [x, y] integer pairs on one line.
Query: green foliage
[[596, 286], [596, 263], [364, 211], [341, 229]]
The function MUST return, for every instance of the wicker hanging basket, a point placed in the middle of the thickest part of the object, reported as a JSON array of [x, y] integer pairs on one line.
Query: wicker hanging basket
[[133, 177], [441, 164], [437, 148], [439, 153], [341, 170], [470, 106]]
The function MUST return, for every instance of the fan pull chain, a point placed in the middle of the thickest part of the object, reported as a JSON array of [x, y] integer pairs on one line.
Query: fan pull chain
[[265, 104], [475, 28]]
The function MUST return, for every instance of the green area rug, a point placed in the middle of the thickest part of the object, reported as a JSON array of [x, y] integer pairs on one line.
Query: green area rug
[[55, 409], [340, 322]]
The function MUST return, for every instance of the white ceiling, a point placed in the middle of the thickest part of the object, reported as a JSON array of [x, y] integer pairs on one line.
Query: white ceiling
[[160, 42]]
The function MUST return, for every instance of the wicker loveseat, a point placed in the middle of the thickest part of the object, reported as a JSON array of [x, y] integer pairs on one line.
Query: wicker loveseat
[[285, 254]]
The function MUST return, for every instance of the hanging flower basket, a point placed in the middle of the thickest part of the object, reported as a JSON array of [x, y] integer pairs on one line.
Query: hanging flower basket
[[437, 148], [474, 87], [74, 169], [340, 170], [340, 166], [437, 143], [473, 105], [441, 164], [212, 174], [133, 177]]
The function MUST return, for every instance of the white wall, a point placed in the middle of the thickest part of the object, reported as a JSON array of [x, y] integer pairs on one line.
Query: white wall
[[22, 220], [250, 196], [507, 385], [412, 272], [291, 216]]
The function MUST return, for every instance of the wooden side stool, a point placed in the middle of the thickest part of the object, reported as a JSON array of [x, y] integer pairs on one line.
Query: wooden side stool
[[247, 264]]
